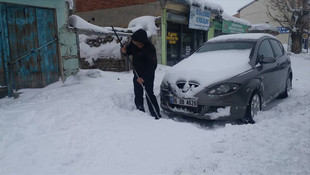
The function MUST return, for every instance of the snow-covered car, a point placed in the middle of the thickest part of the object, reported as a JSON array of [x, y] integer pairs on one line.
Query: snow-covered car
[[229, 77]]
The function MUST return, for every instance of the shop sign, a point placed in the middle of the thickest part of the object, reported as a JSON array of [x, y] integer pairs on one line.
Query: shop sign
[[231, 27], [283, 30], [217, 25], [172, 37], [199, 18]]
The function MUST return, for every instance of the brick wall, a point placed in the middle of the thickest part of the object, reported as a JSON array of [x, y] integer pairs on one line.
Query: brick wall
[[90, 5]]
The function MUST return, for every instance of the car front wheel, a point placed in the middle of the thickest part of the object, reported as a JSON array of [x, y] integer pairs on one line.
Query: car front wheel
[[253, 107]]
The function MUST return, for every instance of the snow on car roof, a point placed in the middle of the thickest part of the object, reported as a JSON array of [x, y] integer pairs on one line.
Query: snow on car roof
[[237, 37]]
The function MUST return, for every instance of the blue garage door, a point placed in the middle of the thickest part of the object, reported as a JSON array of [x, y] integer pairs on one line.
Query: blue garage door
[[29, 49]]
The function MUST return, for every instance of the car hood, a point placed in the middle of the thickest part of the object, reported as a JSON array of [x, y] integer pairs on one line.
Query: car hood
[[205, 69]]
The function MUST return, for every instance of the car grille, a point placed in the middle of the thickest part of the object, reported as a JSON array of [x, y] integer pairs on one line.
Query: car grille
[[185, 85]]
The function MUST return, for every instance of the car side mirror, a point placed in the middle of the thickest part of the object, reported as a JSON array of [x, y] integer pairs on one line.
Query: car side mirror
[[263, 59]]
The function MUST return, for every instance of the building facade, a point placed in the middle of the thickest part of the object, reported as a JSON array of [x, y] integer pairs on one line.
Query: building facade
[[176, 39], [183, 26], [181, 34], [256, 13]]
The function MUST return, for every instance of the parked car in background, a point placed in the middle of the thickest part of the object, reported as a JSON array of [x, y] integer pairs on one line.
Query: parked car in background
[[229, 77]]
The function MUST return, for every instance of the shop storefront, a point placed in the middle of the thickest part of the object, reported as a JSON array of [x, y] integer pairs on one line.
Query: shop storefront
[[229, 25], [184, 29]]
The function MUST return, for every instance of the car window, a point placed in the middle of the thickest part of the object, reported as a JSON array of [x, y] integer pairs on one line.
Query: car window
[[282, 48], [231, 45], [278, 51], [265, 50]]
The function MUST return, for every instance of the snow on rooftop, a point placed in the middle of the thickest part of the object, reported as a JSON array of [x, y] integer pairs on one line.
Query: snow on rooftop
[[234, 19], [144, 22], [79, 23], [243, 36], [206, 4], [263, 26]]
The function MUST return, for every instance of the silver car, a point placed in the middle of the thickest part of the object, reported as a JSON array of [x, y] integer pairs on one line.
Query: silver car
[[229, 77]]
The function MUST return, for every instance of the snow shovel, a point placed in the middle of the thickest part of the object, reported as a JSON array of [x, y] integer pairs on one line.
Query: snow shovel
[[137, 75]]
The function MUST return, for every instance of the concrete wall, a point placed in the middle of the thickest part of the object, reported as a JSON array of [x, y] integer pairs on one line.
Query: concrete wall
[[121, 16], [257, 13], [67, 39]]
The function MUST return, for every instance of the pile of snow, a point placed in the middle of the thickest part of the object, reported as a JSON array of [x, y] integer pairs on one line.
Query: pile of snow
[[234, 19], [89, 125], [104, 51], [263, 27], [206, 4]]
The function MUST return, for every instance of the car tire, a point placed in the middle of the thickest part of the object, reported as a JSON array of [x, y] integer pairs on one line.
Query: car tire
[[253, 107], [288, 87]]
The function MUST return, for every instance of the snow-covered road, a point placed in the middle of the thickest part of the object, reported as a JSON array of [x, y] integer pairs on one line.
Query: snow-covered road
[[89, 125]]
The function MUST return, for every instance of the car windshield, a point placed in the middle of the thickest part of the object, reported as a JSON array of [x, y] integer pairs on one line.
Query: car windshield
[[231, 45]]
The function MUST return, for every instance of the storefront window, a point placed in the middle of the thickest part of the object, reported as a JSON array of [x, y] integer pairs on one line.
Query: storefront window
[[182, 41], [187, 44], [200, 38], [173, 43]]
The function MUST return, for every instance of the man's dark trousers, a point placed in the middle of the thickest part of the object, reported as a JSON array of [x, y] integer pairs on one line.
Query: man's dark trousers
[[138, 89]]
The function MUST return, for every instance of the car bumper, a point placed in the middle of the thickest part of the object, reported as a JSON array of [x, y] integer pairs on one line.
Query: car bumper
[[227, 107]]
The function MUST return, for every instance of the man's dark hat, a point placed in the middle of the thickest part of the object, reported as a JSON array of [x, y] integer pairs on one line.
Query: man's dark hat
[[140, 35]]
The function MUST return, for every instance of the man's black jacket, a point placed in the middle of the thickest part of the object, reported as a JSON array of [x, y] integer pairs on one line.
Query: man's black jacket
[[144, 60]]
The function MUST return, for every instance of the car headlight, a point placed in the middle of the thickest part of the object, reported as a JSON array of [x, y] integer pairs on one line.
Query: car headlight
[[165, 86], [222, 89]]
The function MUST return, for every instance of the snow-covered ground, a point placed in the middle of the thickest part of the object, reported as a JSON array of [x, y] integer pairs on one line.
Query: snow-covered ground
[[89, 125]]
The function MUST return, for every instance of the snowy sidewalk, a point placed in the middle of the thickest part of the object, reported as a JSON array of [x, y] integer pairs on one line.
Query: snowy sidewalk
[[89, 125]]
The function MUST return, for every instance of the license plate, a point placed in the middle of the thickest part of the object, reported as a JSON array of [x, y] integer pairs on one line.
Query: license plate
[[191, 102]]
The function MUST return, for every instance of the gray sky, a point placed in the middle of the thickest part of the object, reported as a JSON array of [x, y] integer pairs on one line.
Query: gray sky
[[231, 6]]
